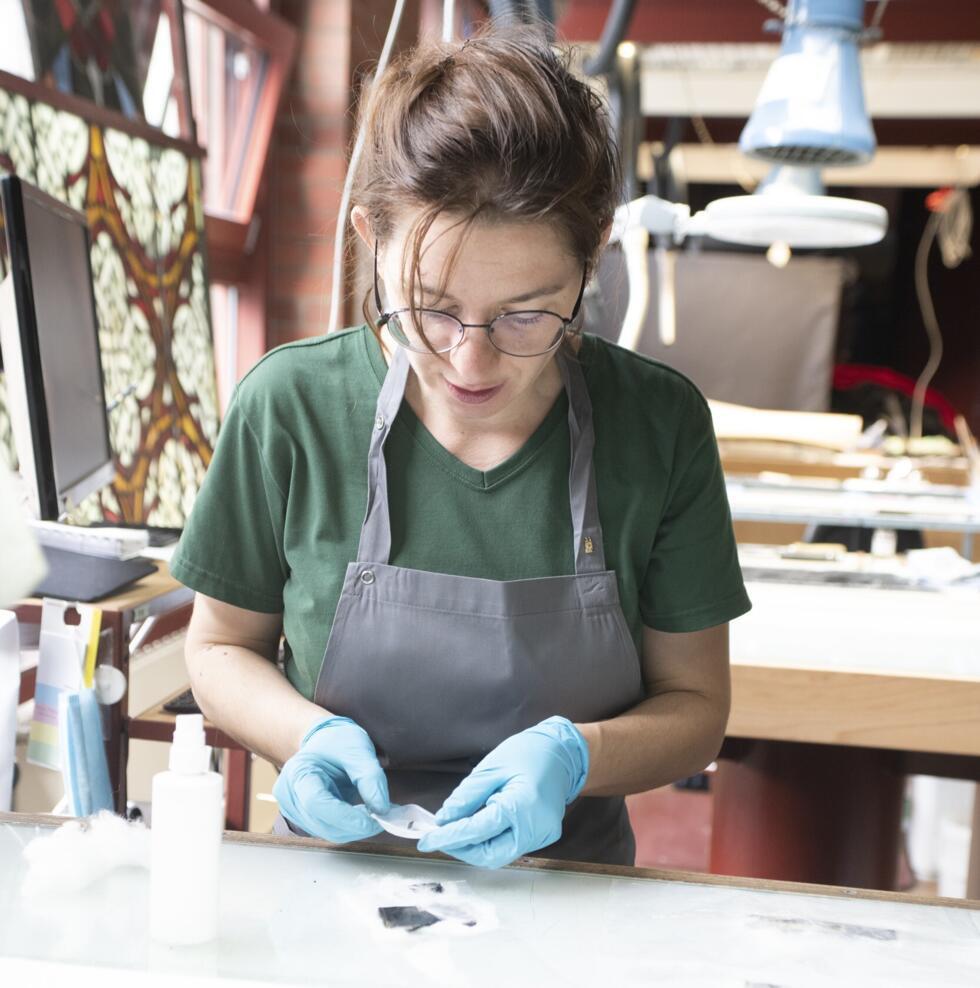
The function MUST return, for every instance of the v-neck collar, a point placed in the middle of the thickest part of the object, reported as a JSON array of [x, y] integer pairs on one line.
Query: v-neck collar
[[478, 479]]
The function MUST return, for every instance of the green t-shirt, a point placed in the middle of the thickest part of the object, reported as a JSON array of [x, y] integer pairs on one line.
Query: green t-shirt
[[279, 514]]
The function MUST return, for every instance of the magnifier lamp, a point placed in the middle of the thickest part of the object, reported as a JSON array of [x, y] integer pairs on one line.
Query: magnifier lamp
[[790, 206], [809, 113]]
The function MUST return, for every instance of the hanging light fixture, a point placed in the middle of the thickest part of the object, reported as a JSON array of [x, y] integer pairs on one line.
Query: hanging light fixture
[[809, 113], [790, 206], [810, 110]]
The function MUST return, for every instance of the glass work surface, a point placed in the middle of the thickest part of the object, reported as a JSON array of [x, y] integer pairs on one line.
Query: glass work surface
[[909, 633], [303, 916]]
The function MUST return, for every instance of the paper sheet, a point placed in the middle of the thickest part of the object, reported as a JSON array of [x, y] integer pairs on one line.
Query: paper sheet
[[60, 667], [411, 821]]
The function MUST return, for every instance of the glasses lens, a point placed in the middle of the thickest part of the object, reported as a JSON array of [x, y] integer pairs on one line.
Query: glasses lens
[[429, 329], [524, 334]]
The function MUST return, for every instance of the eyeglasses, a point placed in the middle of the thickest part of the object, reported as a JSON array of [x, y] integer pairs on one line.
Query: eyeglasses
[[528, 333]]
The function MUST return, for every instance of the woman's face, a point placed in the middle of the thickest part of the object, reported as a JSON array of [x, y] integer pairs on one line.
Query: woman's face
[[501, 267]]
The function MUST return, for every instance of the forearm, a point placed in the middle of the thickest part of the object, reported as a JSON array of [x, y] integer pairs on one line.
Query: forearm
[[667, 737], [246, 695]]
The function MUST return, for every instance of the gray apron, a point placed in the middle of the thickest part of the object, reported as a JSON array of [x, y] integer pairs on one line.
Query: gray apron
[[439, 669]]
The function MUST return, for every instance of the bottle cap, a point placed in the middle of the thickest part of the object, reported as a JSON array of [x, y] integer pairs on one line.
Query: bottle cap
[[189, 755]]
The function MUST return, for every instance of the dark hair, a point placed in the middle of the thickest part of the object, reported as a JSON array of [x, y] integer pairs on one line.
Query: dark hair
[[494, 128]]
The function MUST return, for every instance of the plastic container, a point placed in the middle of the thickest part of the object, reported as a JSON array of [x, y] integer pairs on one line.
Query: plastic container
[[185, 840]]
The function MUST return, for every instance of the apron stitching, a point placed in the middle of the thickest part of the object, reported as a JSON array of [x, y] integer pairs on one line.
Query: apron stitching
[[590, 608], [425, 573]]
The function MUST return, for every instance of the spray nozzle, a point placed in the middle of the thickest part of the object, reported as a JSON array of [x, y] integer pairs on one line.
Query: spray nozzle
[[189, 754]]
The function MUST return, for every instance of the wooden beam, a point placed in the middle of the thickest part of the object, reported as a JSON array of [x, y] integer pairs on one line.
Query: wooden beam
[[891, 167], [677, 21]]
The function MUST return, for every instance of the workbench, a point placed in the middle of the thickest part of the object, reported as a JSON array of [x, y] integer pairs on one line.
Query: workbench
[[155, 606], [797, 501], [838, 693], [151, 607], [290, 915]]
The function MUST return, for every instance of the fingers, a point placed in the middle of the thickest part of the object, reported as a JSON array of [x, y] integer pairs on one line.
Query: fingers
[[318, 787], [486, 824], [469, 796], [494, 853], [364, 770], [319, 810], [372, 787]]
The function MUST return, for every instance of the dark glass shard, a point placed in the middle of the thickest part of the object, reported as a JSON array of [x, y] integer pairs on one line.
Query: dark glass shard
[[406, 917]]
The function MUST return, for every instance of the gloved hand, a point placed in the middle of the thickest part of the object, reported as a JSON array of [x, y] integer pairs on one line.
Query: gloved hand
[[317, 787], [513, 802]]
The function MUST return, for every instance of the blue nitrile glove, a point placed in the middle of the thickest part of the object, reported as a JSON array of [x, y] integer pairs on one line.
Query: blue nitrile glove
[[513, 802], [318, 786]]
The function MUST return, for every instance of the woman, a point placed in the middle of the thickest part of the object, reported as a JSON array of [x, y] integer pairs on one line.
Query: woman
[[500, 551]]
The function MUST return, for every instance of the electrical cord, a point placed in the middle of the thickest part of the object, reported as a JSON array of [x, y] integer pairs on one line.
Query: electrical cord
[[338, 244], [774, 7], [931, 323], [617, 23], [952, 223], [878, 15]]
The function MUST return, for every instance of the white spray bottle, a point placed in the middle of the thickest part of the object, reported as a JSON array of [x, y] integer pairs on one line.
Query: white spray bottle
[[187, 817]]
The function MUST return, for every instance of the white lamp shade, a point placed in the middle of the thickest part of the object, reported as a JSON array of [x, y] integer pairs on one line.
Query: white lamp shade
[[806, 221]]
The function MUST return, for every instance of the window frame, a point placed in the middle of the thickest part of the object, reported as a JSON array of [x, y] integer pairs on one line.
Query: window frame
[[277, 40]]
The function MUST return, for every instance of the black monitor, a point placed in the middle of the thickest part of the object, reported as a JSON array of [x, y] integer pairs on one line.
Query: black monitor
[[50, 343]]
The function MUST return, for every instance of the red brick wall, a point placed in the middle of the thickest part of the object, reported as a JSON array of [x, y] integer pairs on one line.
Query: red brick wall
[[338, 39], [306, 170]]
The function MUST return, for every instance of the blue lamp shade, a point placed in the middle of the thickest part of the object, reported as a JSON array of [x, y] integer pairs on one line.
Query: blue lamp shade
[[810, 110]]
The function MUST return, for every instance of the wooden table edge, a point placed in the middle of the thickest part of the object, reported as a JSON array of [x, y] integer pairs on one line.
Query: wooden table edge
[[573, 867]]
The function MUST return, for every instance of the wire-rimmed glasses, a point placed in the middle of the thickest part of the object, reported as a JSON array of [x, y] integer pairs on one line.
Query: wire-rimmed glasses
[[527, 333]]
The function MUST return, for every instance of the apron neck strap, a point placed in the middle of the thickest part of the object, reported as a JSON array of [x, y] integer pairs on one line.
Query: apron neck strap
[[375, 544], [587, 547]]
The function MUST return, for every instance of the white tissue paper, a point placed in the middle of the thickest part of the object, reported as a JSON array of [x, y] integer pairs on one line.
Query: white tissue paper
[[394, 906], [941, 565], [410, 821]]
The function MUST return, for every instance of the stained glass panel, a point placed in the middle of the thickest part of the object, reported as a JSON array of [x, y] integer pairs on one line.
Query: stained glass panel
[[61, 149], [17, 156], [16, 136], [143, 204], [98, 49]]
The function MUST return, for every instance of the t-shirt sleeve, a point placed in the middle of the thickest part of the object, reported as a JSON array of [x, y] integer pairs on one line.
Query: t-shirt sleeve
[[232, 545], [693, 580]]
